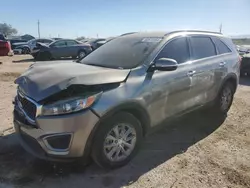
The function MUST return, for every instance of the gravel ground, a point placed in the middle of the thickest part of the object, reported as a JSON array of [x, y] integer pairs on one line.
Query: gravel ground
[[198, 150]]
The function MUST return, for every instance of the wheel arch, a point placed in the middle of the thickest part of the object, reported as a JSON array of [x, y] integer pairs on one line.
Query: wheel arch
[[132, 107], [232, 78], [25, 46], [81, 50]]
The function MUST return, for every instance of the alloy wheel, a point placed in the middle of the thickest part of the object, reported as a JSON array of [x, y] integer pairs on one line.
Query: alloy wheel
[[226, 98], [119, 142], [81, 55]]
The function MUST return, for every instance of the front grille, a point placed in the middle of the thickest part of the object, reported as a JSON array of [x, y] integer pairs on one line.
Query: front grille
[[22, 119], [28, 107]]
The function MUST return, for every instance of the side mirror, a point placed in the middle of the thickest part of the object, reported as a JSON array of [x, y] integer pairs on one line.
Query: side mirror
[[164, 64]]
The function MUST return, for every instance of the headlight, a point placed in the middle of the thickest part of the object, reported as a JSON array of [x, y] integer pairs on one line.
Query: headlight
[[69, 106]]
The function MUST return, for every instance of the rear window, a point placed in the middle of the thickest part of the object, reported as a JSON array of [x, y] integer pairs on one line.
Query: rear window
[[221, 47], [202, 47]]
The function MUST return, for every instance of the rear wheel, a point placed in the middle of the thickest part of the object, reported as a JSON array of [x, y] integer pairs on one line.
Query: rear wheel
[[224, 100], [117, 140], [81, 54]]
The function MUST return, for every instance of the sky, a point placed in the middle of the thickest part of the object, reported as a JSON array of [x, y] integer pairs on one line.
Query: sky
[[104, 18]]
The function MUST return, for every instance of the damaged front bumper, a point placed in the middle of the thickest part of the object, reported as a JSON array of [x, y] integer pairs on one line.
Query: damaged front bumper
[[55, 138]]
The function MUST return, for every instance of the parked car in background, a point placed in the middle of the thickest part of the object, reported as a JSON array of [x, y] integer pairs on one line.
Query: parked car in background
[[2, 37], [27, 47], [104, 105], [5, 47], [20, 39], [61, 48], [245, 65], [57, 38], [242, 50], [94, 42]]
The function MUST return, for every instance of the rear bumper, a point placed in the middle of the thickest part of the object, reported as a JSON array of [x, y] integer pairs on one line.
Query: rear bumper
[[5, 52], [61, 138]]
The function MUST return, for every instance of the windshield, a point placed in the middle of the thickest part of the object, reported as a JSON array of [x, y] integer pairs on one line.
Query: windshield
[[124, 52]]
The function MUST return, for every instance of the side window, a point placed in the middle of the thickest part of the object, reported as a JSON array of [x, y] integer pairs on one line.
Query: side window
[[202, 47], [71, 42], [60, 44], [176, 49], [47, 41], [221, 47]]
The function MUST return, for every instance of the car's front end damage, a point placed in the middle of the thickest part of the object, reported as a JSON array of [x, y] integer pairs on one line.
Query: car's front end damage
[[52, 110]]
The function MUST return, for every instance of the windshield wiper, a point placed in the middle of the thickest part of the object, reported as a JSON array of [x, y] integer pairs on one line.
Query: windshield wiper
[[98, 65]]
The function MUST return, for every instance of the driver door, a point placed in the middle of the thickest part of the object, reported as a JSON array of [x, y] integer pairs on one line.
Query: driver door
[[171, 89], [59, 49]]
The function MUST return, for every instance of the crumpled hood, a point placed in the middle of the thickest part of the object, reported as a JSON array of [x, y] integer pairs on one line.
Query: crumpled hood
[[43, 80]]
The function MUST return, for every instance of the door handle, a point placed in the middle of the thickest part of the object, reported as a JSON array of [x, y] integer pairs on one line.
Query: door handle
[[191, 73], [222, 64]]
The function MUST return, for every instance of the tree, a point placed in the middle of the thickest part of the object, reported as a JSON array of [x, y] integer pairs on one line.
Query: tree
[[7, 29]]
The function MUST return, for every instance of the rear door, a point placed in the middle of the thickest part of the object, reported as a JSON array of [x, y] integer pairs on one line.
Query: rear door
[[225, 58], [204, 64], [72, 48], [170, 89]]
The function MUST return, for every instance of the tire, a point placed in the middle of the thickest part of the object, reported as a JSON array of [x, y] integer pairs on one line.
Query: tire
[[25, 50], [223, 102], [81, 54], [119, 120]]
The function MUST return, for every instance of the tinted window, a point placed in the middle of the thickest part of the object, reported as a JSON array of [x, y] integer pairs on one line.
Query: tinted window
[[60, 43], [202, 47], [46, 41], [124, 52], [71, 42], [177, 50], [222, 48]]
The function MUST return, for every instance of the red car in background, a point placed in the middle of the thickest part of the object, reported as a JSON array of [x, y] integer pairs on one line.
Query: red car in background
[[5, 47]]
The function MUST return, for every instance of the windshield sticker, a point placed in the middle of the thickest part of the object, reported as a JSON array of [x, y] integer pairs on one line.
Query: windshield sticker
[[152, 39]]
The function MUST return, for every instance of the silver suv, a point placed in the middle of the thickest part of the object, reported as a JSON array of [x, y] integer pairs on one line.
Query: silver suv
[[104, 105]]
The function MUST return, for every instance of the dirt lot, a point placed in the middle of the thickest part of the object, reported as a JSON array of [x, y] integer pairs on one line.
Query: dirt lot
[[195, 151]]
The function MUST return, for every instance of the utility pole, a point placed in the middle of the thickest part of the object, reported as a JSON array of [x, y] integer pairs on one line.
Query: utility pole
[[220, 27], [38, 28]]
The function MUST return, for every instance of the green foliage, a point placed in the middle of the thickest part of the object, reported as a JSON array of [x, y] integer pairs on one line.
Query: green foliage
[[7, 29], [244, 41]]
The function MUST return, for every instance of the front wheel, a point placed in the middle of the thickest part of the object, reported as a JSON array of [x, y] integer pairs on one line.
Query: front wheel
[[117, 140], [25, 50]]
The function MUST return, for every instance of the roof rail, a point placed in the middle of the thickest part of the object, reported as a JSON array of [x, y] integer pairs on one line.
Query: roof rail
[[128, 33], [212, 32]]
